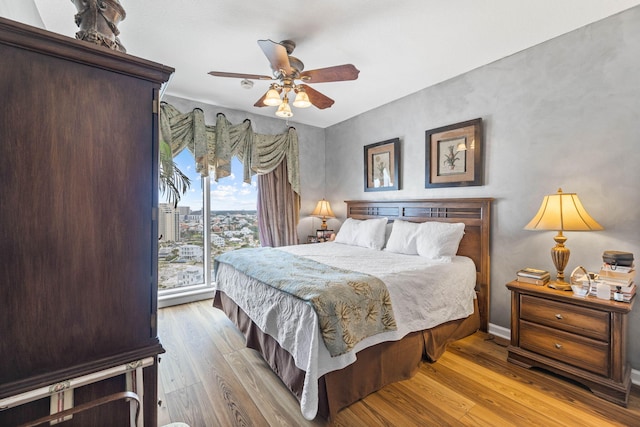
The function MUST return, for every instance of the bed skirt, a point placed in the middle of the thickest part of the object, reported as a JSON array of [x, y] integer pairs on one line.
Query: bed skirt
[[374, 368]]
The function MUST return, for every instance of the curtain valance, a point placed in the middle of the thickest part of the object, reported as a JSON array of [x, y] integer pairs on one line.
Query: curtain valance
[[214, 146]]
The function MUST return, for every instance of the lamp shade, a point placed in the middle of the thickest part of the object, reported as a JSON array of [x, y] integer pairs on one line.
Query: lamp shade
[[562, 212], [284, 110], [323, 209], [272, 98], [302, 99]]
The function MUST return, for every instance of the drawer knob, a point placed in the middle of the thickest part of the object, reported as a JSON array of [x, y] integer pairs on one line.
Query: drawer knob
[[559, 316], [558, 346]]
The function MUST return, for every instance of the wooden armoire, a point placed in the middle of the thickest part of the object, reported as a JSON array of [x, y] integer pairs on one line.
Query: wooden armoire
[[78, 232]]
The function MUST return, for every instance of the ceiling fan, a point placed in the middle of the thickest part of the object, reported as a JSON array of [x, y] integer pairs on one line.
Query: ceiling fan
[[286, 70]]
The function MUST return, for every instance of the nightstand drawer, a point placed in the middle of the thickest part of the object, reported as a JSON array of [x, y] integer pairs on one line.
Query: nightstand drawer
[[584, 353], [571, 318]]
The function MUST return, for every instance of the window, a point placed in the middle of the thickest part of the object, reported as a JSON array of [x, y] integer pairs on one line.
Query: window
[[185, 263], [234, 220], [181, 235]]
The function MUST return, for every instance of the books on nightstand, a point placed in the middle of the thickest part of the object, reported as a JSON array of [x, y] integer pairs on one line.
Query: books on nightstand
[[626, 292], [624, 275], [533, 276], [620, 280]]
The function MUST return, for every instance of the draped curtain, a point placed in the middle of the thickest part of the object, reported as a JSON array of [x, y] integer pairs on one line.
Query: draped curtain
[[213, 148], [279, 229]]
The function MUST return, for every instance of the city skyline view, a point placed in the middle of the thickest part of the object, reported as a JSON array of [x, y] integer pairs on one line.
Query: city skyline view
[[182, 231], [230, 193]]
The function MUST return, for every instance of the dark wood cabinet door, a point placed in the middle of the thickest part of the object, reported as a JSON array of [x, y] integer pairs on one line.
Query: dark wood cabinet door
[[78, 238]]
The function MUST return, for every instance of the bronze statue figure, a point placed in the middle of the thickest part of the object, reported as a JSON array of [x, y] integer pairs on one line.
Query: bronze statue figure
[[98, 21]]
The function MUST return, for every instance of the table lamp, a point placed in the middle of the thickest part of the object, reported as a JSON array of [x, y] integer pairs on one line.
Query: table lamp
[[323, 210], [562, 212]]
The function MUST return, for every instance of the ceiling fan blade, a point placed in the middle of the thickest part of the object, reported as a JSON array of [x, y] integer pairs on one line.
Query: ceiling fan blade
[[260, 102], [277, 56], [319, 100], [239, 75], [330, 74]]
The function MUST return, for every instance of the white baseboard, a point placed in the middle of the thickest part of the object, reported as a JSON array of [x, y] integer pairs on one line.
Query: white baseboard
[[635, 377], [499, 331], [505, 333], [196, 294]]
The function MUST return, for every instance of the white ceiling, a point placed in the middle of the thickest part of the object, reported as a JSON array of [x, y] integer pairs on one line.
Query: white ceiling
[[399, 47]]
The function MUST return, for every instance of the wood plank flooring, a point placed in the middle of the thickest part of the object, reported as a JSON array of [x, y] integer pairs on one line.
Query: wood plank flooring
[[209, 378]]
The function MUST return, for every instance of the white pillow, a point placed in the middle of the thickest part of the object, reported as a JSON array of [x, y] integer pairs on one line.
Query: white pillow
[[439, 240], [368, 233], [403, 239]]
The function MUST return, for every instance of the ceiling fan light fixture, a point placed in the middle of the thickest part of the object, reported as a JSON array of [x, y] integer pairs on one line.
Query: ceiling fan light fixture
[[302, 99], [272, 98], [287, 69], [284, 110]]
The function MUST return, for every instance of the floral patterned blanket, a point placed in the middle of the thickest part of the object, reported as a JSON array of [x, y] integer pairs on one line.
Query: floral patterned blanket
[[350, 305]]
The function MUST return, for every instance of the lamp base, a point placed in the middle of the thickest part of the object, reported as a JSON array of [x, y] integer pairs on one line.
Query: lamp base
[[561, 286]]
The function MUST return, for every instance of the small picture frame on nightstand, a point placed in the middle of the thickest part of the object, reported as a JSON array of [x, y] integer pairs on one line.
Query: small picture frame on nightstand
[[324, 235]]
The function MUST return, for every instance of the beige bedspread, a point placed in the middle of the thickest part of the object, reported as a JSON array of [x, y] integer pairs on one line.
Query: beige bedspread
[[350, 305]]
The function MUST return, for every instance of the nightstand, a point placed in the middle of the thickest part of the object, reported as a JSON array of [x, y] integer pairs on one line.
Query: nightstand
[[584, 339]]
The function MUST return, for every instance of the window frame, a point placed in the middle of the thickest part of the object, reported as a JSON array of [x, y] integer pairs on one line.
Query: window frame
[[206, 290]]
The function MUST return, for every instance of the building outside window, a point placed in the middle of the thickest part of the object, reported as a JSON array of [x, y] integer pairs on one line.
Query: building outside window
[[185, 263]]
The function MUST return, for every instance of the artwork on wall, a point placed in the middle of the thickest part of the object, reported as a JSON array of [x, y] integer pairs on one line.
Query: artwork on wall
[[382, 166], [454, 155]]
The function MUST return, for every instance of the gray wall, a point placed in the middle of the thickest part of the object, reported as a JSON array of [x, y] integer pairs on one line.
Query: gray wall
[[565, 113], [24, 11]]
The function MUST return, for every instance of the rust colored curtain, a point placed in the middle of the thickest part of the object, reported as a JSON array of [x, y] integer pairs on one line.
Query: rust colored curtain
[[278, 208]]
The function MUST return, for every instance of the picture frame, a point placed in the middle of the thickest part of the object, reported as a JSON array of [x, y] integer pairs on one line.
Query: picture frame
[[454, 155], [382, 166], [324, 235]]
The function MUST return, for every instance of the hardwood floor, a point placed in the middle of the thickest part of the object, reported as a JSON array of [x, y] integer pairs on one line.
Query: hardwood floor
[[209, 378]]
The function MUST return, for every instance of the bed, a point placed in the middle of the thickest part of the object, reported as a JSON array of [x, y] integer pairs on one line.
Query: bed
[[326, 380]]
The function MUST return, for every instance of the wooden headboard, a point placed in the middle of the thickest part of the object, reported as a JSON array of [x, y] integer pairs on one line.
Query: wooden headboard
[[474, 213]]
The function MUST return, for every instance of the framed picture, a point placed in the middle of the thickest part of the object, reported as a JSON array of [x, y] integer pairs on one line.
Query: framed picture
[[324, 235], [454, 155], [382, 166]]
